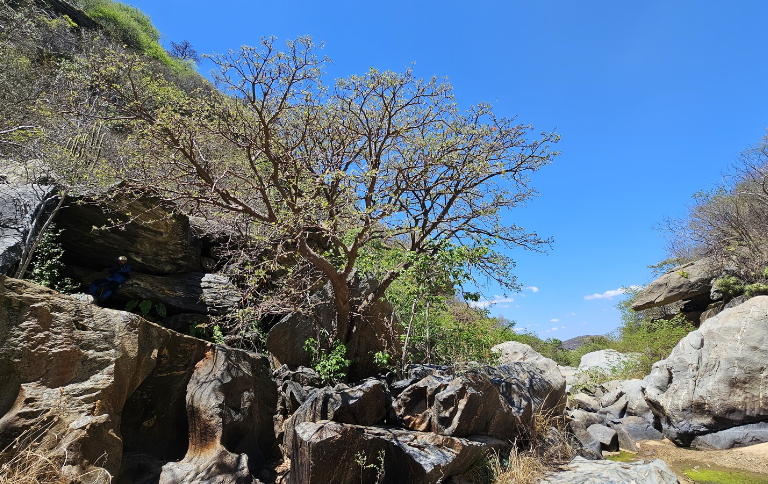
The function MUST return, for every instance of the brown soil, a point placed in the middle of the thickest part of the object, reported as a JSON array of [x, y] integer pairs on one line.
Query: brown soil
[[753, 459]]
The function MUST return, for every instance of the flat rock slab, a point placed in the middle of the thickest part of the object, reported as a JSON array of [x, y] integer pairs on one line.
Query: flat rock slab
[[683, 282], [326, 452], [741, 436], [607, 437], [583, 471]]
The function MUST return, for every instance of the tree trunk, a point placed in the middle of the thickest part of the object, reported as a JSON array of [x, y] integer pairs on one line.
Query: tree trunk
[[29, 249], [429, 358], [408, 333]]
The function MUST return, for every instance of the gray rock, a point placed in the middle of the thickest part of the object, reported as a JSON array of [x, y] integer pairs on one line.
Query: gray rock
[[587, 418], [626, 442], [540, 381], [472, 405], [639, 428], [714, 379], [22, 209], [326, 452], [585, 445], [607, 437], [159, 242], [603, 360], [682, 282], [634, 390], [417, 372], [83, 298], [611, 397], [184, 322], [413, 406], [302, 375], [585, 402], [617, 410], [742, 436], [582, 471], [169, 397], [363, 404], [511, 351]]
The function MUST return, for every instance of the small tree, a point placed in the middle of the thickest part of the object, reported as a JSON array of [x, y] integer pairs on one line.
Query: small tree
[[183, 50], [382, 156]]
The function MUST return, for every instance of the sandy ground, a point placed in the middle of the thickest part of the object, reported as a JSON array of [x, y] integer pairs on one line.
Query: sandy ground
[[753, 459]]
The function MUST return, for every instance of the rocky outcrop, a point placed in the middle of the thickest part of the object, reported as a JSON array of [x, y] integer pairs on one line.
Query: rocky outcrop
[[22, 210], [157, 241], [742, 436], [716, 377], [583, 471], [603, 360], [325, 452], [132, 398], [683, 282]]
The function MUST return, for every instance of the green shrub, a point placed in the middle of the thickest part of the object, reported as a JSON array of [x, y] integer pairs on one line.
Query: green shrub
[[756, 289], [730, 286], [330, 364], [47, 268]]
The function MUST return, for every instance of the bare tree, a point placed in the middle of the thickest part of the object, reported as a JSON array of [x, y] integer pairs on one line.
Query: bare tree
[[183, 50], [379, 156]]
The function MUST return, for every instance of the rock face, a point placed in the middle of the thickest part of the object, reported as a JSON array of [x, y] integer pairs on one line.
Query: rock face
[[156, 243], [21, 210], [683, 282], [582, 471], [171, 404], [325, 452], [514, 351], [716, 377], [285, 340], [608, 439]]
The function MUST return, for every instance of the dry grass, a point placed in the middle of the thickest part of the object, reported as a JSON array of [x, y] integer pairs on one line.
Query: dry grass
[[29, 459], [545, 446]]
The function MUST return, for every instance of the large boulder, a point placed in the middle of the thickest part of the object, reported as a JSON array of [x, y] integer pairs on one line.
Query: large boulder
[[362, 404], [583, 471], [603, 361], [413, 406], [540, 381], [683, 282], [157, 241], [715, 378], [378, 332], [332, 452], [121, 385], [510, 351], [22, 210], [607, 437]]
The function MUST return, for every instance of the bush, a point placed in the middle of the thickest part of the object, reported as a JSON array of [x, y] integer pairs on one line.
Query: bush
[[47, 268], [730, 286]]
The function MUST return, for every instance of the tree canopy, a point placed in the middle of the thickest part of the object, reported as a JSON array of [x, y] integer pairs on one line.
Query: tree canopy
[[379, 157]]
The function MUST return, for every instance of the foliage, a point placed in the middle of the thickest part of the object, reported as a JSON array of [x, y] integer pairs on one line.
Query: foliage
[[207, 332], [184, 51], [330, 364], [755, 289], [145, 306], [362, 461], [47, 266], [730, 286], [323, 172]]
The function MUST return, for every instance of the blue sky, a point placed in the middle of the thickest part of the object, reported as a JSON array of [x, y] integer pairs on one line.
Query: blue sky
[[653, 100]]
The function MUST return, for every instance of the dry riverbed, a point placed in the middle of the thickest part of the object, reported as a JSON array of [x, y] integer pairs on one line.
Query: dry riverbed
[[697, 466]]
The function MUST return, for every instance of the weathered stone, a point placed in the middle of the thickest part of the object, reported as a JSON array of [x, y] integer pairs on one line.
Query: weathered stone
[[302, 375], [582, 471], [413, 407], [626, 442], [472, 405], [587, 418], [363, 404], [682, 282], [122, 384], [22, 209], [326, 452], [741, 436], [607, 437], [540, 381], [158, 242], [603, 360], [585, 445], [639, 428], [417, 372], [184, 322], [611, 397], [715, 378], [585, 402], [511, 351], [616, 411]]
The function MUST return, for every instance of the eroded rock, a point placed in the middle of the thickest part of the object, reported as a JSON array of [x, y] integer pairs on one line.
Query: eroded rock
[[682, 282], [583, 471]]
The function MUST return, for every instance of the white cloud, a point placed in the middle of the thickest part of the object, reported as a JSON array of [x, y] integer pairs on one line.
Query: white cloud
[[554, 320], [554, 329], [517, 305], [562, 327], [491, 302], [572, 314], [583, 322], [533, 288], [610, 294]]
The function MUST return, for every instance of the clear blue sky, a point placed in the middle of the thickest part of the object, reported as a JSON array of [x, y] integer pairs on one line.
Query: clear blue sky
[[653, 101]]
